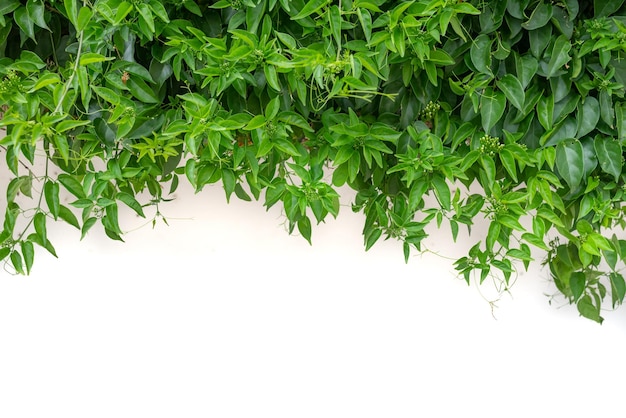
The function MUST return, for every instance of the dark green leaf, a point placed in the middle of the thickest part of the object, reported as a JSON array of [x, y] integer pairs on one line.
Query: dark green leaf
[[588, 116], [539, 17], [513, 90], [577, 284], [559, 56], [569, 162], [609, 152], [606, 7], [480, 54]]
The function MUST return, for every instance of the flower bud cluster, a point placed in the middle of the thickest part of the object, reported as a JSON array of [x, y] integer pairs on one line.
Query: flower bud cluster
[[11, 83], [429, 112], [490, 145]]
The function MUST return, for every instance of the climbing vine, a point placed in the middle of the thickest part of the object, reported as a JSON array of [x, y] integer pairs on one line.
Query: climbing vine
[[512, 112]]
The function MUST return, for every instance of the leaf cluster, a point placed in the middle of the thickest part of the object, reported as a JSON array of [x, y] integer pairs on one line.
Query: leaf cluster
[[433, 111]]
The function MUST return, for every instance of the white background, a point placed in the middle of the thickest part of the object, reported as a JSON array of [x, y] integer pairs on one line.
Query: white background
[[223, 314]]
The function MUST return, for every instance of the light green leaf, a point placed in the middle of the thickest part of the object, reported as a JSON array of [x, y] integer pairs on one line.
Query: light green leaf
[[442, 191], [28, 252], [334, 21], [85, 14], [131, 202], [71, 8], [492, 105], [311, 7], [51, 194], [92, 57]]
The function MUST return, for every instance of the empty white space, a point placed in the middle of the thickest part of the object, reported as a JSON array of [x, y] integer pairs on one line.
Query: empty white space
[[223, 314]]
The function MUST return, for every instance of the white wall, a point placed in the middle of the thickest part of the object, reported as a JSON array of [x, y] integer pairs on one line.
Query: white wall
[[222, 314]]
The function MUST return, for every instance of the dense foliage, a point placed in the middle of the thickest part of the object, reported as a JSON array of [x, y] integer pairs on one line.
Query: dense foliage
[[521, 100]]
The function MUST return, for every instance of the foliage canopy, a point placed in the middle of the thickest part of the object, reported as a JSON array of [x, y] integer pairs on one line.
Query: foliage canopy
[[497, 109]]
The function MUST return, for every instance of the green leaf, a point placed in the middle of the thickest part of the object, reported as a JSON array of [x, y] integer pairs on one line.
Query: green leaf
[[620, 115], [366, 22], [71, 8], [587, 309], [480, 54], [509, 221], [68, 216], [539, 17], [492, 105], [272, 77], [272, 108], [603, 8], [228, 180], [569, 162], [36, 12], [28, 252], [607, 111], [146, 14], [93, 57], [526, 67], [51, 193], [72, 185], [311, 7], [609, 152], [371, 237], [513, 90], [559, 56], [85, 14], [62, 146], [39, 221], [131, 202], [588, 116], [618, 288], [577, 284], [256, 122], [508, 162], [69, 124], [87, 225], [545, 112], [535, 240], [489, 168], [25, 23], [141, 90], [442, 191], [492, 235], [46, 79], [16, 261], [304, 226], [334, 21]]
